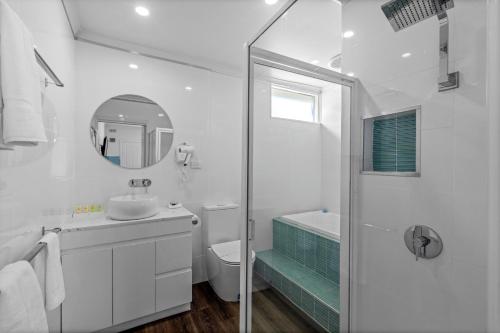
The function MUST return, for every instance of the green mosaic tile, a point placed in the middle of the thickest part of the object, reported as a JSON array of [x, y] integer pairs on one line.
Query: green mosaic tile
[[313, 282], [333, 265], [276, 234], [282, 232], [307, 303], [290, 241], [276, 280], [259, 266], [313, 251], [295, 293], [321, 255], [333, 322], [314, 294], [310, 250], [321, 314], [300, 246], [286, 287], [267, 273]]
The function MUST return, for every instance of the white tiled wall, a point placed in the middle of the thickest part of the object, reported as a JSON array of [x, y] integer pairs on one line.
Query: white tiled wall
[[296, 165], [393, 292], [286, 166], [36, 183], [40, 186], [208, 117]]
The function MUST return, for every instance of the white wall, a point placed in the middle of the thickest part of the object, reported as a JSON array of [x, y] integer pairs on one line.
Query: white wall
[[331, 125], [286, 166], [208, 117], [393, 292], [296, 165], [36, 184]]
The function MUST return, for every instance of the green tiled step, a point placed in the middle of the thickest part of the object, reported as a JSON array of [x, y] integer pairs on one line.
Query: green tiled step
[[317, 296], [316, 252]]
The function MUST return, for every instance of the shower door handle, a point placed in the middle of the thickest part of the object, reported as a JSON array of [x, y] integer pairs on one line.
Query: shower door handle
[[251, 229]]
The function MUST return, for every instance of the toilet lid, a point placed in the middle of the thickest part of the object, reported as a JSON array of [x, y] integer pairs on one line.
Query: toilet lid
[[229, 252]]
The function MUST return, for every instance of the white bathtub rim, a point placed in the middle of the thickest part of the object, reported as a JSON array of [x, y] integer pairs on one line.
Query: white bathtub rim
[[313, 229]]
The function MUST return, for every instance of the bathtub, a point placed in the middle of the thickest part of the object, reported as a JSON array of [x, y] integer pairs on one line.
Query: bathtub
[[318, 222]]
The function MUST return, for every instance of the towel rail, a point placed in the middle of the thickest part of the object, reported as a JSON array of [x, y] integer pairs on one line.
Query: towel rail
[[48, 70], [39, 246]]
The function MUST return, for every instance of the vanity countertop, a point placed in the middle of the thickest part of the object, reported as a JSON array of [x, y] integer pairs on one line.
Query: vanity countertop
[[105, 222]]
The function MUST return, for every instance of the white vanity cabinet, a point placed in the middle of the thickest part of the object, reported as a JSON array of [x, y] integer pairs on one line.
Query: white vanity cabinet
[[123, 274]]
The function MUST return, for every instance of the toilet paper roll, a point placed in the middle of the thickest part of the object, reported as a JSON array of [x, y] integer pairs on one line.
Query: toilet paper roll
[[195, 220]]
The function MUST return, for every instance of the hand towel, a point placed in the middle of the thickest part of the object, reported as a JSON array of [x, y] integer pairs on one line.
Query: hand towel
[[21, 300], [20, 82], [54, 280]]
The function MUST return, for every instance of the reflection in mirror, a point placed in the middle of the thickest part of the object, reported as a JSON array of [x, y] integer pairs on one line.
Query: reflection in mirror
[[131, 131]]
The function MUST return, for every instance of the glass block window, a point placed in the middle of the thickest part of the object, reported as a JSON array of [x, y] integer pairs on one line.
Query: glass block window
[[294, 105], [391, 143]]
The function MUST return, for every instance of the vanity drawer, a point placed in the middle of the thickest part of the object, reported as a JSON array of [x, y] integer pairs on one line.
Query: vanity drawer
[[174, 253], [123, 231], [173, 289]]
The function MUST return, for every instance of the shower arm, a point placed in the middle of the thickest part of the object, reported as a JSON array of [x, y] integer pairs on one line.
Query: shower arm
[[404, 13], [446, 81]]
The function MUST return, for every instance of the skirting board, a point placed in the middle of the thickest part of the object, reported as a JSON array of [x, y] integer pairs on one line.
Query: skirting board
[[144, 320]]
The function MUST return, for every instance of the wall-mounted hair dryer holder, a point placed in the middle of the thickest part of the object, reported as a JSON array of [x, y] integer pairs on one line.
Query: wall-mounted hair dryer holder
[[183, 153]]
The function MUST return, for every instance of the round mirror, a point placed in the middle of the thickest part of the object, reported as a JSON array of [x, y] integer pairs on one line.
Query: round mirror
[[131, 131]]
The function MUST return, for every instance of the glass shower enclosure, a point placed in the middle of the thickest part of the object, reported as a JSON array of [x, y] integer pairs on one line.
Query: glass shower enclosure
[[298, 172]]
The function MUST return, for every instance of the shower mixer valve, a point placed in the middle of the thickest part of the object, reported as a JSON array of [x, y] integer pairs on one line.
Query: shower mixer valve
[[423, 242]]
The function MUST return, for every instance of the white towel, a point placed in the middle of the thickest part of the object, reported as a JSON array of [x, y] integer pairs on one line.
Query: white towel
[[20, 82], [21, 300], [54, 280]]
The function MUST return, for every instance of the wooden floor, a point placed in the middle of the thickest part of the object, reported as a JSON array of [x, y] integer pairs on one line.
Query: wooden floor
[[210, 314]]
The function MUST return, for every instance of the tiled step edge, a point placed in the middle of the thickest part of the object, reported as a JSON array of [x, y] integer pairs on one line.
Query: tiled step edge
[[325, 315]]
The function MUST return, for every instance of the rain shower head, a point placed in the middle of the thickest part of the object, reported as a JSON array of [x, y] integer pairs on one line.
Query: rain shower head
[[404, 13]]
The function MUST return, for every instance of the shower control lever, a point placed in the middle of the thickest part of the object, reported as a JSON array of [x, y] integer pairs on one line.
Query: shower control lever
[[419, 244], [423, 242]]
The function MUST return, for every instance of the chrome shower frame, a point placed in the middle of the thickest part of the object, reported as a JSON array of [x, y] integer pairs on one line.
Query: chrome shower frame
[[255, 56]]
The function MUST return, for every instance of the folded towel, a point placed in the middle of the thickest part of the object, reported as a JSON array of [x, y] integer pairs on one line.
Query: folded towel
[[54, 280], [21, 300], [20, 82]]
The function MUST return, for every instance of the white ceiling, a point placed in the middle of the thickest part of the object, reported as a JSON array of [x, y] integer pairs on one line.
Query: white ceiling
[[209, 33]]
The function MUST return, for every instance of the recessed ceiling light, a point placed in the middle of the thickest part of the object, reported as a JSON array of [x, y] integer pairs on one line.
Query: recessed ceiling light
[[133, 66], [350, 74], [120, 116], [315, 62], [271, 2], [161, 115], [188, 88], [143, 11], [406, 55], [348, 34]]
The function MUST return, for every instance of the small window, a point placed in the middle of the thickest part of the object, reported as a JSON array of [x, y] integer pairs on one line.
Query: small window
[[294, 105], [391, 143]]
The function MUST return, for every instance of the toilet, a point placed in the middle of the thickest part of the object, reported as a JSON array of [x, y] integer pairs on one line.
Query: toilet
[[221, 236]]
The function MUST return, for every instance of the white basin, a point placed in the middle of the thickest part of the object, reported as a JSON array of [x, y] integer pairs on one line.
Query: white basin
[[133, 206]]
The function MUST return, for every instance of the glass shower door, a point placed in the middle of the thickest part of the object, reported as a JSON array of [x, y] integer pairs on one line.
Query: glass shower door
[[298, 196]]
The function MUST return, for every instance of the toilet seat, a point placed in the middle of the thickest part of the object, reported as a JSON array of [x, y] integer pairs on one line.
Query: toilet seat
[[229, 252]]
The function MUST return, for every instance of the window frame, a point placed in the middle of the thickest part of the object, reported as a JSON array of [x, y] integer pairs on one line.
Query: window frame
[[417, 173], [302, 91]]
